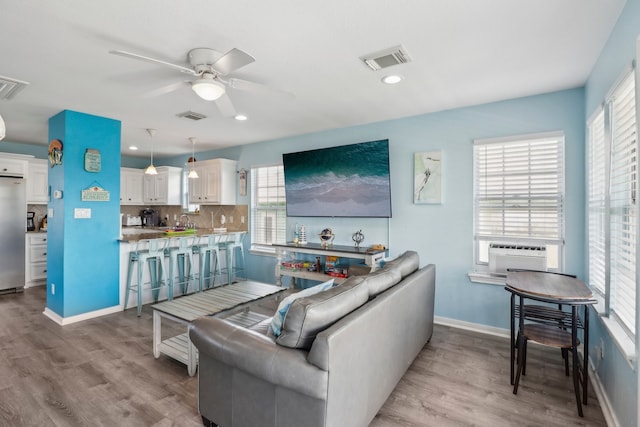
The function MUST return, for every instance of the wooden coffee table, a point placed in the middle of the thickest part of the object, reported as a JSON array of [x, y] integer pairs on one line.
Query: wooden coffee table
[[212, 302]]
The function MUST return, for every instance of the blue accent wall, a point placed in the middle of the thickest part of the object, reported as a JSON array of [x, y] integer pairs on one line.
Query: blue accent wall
[[83, 254]]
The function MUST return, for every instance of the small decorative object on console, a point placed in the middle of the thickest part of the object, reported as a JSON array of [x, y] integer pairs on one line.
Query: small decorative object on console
[[326, 237], [357, 237]]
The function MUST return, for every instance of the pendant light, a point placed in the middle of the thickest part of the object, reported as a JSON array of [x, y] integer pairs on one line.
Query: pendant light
[[151, 170], [192, 173]]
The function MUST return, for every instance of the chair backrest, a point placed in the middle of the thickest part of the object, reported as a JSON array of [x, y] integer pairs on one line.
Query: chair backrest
[[154, 247]]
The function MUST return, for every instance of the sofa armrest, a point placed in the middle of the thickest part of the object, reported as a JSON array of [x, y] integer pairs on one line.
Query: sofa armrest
[[258, 355]]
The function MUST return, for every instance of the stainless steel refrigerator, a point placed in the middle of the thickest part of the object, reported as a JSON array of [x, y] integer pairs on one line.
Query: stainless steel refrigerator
[[13, 223]]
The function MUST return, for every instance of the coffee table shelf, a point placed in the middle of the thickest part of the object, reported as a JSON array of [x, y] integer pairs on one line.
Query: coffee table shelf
[[213, 302]]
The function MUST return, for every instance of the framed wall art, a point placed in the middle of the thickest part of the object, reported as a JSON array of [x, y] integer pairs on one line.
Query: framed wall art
[[427, 177]]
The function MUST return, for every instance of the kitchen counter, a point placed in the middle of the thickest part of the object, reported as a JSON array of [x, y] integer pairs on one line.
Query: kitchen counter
[[134, 235]]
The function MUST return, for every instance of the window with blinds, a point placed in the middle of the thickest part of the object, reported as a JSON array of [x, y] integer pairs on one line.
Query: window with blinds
[[597, 202], [519, 194], [268, 207], [623, 202]]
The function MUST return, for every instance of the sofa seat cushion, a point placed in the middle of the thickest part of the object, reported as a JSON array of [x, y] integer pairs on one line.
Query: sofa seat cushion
[[283, 307], [312, 314]]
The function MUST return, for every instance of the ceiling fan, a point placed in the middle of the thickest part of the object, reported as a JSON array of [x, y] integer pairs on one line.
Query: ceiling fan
[[211, 69]]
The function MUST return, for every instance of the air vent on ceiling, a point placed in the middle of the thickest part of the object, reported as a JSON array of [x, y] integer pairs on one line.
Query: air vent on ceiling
[[192, 115], [10, 87], [386, 58]]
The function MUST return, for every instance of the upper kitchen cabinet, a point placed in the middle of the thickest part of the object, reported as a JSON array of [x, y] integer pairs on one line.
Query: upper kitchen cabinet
[[131, 186], [163, 188], [216, 183], [38, 181]]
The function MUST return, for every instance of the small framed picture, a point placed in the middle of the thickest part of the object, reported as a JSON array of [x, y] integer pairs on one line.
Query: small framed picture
[[427, 177]]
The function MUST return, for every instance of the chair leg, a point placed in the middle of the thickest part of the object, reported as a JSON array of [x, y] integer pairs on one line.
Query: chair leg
[[576, 380], [565, 356], [129, 277], [521, 355]]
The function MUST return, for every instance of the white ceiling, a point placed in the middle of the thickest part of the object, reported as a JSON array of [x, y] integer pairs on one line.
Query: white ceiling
[[463, 53]]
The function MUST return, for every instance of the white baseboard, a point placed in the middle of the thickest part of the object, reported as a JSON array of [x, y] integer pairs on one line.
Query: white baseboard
[[605, 404], [80, 317], [476, 327]]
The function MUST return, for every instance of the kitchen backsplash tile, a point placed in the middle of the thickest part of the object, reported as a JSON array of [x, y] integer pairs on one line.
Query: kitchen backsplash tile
[[235, 217]]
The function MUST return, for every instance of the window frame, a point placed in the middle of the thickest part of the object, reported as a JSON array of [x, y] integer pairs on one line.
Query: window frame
[[257, 246], [623, 329], [482, 240]]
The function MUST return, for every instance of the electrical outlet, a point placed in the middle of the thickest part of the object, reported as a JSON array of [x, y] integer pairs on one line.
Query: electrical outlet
[[53, 289], [601, 348]]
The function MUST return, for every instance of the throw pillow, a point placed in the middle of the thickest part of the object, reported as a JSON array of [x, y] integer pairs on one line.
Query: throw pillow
[[283, 307]]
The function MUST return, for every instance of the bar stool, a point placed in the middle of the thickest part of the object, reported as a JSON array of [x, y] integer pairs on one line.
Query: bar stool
[[234, 242], [148, 252], [208, 247], [180, 257]]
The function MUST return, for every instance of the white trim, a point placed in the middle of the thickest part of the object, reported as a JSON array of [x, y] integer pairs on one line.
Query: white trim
[[474, 327], [594, 114], [62, 321], [517, 138], [603, 399], [487, 278]]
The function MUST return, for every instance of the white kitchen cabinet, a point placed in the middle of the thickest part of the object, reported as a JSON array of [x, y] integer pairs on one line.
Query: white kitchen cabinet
[[131, 186], [13, 166], [163, 188], [35, 259], [38, 181], [216, 183]]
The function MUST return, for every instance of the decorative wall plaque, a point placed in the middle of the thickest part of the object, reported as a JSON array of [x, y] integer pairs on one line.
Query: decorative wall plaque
[[92, 160]]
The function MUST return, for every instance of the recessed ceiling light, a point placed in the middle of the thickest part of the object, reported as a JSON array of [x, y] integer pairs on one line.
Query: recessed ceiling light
[[392, 79], [240, 117], [133, 148]]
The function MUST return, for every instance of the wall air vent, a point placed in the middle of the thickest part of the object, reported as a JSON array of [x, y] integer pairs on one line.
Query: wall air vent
[[10, 87], [192, 115], [386, 58]]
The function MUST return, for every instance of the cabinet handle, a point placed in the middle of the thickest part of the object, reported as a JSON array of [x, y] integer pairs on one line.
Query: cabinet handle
[[44, 253]]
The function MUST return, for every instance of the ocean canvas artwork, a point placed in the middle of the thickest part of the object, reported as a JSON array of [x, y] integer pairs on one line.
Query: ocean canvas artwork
[[345, 181]]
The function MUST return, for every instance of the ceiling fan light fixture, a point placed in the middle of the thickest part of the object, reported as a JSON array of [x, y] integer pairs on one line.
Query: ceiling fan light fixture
[[193, 174], [208, 89]]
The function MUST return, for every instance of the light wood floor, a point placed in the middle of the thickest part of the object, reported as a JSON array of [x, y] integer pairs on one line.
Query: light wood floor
[[102, 372]]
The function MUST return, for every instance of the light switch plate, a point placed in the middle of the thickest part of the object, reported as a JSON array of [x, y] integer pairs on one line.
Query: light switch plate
[[83, 213]]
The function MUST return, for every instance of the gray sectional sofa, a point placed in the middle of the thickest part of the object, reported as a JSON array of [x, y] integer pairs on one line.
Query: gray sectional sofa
[[340, 354]]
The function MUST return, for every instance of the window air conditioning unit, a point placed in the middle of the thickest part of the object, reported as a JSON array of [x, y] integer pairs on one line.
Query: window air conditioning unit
[[503, 257]]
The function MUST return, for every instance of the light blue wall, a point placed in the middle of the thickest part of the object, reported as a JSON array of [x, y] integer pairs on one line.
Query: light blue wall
[[442, 234], [82, 253], [619, 379]]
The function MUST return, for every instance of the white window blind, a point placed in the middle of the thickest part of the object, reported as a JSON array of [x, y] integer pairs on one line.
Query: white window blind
[[519, 191], [268, 206], [597, 208], [623, 202]]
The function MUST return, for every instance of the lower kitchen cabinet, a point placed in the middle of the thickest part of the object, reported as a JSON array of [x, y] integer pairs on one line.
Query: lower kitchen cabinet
[[35, 259]]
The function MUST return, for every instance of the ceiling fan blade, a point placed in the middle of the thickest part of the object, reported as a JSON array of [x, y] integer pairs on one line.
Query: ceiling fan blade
[[163, 90], [225, 106], [231, 61], [153, 60], [247, 85]]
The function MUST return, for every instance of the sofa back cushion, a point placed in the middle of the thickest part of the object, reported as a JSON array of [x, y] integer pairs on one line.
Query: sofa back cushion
[[283, 307], [309, 315], [406, 263]]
